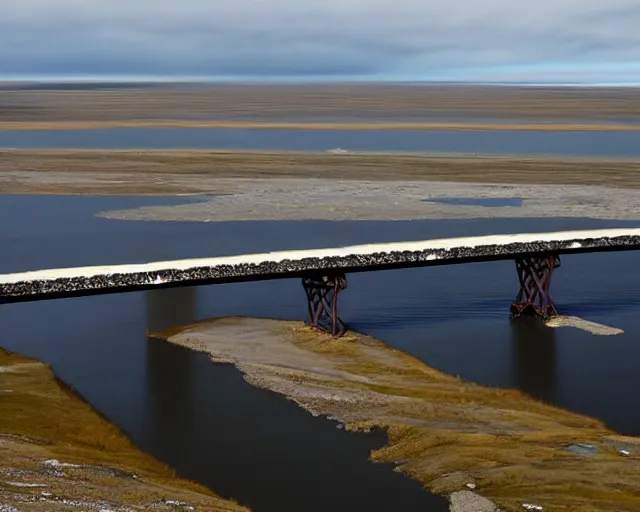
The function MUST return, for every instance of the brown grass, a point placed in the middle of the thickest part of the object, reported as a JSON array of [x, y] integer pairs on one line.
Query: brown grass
[[172, 172], [38, 407], [321, 102], [442, 431], [453, 432]]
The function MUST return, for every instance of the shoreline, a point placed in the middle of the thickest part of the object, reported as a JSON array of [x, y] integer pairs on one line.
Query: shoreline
[[183, 173], [453, 437], [552, 126], [285, 185], [57, 451]]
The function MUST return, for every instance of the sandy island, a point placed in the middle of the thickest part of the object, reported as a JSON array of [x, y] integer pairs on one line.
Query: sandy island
[[58, 454], [479, 446], [359, 186]]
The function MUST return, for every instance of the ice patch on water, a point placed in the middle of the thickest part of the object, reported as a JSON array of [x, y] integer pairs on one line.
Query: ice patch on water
[[585, 325]]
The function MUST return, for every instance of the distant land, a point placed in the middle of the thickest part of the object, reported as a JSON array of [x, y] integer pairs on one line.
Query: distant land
[[337, 105]]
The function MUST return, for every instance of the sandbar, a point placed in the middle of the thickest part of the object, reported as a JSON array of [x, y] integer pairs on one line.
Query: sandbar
[[450, 435]]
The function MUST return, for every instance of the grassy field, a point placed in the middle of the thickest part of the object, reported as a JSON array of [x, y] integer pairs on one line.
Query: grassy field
[[41, 419], [362, 104], [175, 172]]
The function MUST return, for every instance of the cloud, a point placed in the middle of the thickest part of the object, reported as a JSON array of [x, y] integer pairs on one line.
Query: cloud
[[272, 38]]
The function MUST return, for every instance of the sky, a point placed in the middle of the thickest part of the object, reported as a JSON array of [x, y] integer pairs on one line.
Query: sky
[[585, 41]]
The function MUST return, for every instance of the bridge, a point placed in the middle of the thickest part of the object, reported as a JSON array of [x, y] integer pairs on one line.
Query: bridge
[[323, 271]]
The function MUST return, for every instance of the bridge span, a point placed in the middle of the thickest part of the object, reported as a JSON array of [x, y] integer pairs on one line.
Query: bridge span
[[323, 271]]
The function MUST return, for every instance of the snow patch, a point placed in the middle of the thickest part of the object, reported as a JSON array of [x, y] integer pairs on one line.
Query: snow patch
[[585, 325], [445, 244], [183, 504], [24, 484], [53, 463]]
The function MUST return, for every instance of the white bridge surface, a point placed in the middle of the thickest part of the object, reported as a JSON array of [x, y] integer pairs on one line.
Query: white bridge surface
[[55, 283]]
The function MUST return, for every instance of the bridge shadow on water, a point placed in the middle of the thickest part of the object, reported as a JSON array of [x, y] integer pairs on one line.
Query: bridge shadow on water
[[255, 446], [534, 359], [242, 434], [251, 444]]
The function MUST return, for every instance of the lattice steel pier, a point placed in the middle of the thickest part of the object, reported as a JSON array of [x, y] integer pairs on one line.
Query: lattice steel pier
[[322, 299], [534, 297]]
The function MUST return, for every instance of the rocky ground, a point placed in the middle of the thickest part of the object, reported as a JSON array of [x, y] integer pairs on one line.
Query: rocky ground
[[484, 448], [363, 186], [313, 199]]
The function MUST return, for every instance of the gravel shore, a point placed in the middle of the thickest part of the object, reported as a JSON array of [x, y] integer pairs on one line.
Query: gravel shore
[[306, 199], [451, 436]]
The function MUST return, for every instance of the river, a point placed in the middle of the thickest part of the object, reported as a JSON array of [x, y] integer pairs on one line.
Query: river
[[560, 143], [254, 446]]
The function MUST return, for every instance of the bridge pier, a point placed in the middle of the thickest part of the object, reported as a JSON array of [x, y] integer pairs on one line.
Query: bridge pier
[[322, 291], [534, 298]]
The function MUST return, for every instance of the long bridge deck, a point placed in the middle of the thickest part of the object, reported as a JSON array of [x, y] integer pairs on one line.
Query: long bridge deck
[[70, 282]]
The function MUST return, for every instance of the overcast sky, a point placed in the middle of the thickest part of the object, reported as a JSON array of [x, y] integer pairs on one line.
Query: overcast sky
[[542, 40]]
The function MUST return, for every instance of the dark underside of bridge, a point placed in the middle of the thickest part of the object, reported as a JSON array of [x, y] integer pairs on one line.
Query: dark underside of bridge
[[324, 278], [533, 299]]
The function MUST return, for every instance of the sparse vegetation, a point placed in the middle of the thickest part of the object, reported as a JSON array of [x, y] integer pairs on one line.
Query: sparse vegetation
[[174, 172], [442, 431], [321, 102], [43, 420]]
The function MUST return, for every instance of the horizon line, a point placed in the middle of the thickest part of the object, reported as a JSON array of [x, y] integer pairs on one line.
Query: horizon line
[[156, 79]]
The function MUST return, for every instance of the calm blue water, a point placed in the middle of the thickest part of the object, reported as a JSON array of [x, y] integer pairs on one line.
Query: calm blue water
[[255, 446], [604, 143]]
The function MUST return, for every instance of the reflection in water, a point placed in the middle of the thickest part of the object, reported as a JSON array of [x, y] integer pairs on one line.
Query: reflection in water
[[166, 308], [171, 307], [534, 358], [254, 445]]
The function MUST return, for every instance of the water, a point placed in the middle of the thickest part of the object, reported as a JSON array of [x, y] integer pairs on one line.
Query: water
[[253, 445], [587, 143], [489, 202], [202, 419]]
